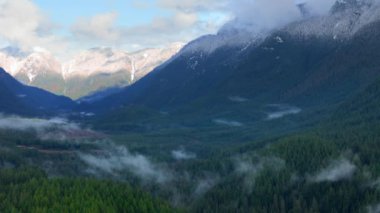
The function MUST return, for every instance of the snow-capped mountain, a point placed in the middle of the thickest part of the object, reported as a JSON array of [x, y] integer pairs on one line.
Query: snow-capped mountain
[[95, 61], [91, 70], [38, 68]]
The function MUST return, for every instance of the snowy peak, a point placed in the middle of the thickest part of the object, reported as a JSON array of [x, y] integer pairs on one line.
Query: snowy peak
[[146, 60], [108, 61], [39, 63], [29, 65], [97, 61]]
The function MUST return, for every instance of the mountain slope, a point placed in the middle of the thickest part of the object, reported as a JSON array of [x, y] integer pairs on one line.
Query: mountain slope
[[16, 97], [10, 103]]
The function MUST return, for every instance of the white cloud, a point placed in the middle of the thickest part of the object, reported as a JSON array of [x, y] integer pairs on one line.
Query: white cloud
[[159, 31], [229, 123], [25, 26], [320, 7], [264, 14], [182, 154], [250, 169], [337, 170], [193, 5], [100, 27], [56, 129], [118, 159]]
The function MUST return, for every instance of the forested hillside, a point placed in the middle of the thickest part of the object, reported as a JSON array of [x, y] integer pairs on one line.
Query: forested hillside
[[30, 190]]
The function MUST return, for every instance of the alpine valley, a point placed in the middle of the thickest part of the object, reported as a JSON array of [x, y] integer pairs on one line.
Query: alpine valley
[[281, 119]]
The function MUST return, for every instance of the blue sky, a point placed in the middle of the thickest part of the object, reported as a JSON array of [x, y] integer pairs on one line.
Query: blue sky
[[130, 13]]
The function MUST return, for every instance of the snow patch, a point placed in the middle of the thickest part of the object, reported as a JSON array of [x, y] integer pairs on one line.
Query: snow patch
[[31, 76]]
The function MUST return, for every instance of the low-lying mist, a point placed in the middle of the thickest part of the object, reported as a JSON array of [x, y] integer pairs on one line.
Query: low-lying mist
[[281, 110], [58, 129], [182, 154], [337, 170], [116, 159]]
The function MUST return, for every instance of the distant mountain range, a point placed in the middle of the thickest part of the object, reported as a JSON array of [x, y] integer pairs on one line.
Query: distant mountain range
[[90, 71]]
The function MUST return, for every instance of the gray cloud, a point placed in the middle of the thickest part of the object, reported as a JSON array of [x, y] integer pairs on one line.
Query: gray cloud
[[337, 170]]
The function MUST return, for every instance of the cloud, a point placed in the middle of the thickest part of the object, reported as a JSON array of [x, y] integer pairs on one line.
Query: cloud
[[320, 7], [250, 168], [206, 184], [25, 26], [229, 123], [56, 129], [281, 110], [193, 5], [373, 208], [337, 170], [263, 14], [179, 26], [25, 124], [117, 159], [100, 27], [181, 154], [237, 99], [183, 21]]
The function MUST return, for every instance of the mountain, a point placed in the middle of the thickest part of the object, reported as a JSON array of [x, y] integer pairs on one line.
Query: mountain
[[20, 99], [90, 71], [262, 68]]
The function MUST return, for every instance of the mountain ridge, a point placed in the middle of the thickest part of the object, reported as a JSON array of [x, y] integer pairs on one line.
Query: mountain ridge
[[89, 68], [22, 99]]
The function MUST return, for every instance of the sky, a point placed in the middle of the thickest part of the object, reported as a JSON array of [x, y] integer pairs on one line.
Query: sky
[[66, 27], [72, 25]]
